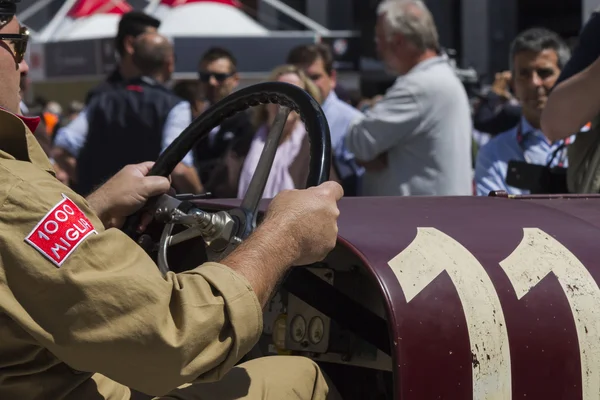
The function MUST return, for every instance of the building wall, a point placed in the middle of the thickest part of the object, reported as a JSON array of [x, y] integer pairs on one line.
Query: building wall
[[490, 26]]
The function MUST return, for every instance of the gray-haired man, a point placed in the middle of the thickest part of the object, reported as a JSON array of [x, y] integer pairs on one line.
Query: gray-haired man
[[420, 132]]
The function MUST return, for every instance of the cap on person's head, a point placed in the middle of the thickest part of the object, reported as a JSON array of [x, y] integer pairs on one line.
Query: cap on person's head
[[8, 9]]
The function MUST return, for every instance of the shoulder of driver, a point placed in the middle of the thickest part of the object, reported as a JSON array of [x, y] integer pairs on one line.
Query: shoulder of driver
[[94, 299]]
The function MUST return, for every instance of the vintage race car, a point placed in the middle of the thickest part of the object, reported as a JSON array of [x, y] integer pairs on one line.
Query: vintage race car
[[422, 298]]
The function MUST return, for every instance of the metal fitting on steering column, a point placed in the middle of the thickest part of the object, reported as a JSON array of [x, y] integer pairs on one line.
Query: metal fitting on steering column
[[219, 232]]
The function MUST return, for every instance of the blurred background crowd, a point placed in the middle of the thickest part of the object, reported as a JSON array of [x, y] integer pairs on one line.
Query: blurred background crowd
[[422, 98]]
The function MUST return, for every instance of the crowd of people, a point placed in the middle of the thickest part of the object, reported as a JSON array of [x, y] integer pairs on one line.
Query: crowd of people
[[425, 136]]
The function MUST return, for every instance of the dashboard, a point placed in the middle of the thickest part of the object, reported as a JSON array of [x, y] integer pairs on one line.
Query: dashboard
[[331, 312]]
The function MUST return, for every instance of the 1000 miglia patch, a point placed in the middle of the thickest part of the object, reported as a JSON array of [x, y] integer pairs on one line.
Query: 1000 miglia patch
[[61, 231]]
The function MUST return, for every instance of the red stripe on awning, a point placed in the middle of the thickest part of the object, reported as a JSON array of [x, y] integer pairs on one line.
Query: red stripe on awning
[[175, 3], [85, 8]]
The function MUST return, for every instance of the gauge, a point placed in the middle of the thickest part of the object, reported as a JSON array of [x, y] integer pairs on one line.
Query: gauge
[[316, 330], [279, 330], [298, 328]]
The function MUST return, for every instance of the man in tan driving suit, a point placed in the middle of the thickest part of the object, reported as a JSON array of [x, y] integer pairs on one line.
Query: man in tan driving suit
[[85, 313]]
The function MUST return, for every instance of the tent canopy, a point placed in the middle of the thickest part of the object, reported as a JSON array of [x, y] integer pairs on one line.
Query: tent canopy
[[175, 3], [87, 8], [206, 18], [97, 19], [87, 19]]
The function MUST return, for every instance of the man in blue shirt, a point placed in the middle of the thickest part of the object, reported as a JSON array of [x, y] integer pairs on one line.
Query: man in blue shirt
[[537, 57], [317, 62]]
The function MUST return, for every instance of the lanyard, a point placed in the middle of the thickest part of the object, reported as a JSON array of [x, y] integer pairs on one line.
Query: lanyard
[[562, 148]]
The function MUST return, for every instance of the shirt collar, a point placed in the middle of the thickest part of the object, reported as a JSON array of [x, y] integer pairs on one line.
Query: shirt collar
[[332, 98], [527, 129], [426, 63], [31, 123], [17, 140]]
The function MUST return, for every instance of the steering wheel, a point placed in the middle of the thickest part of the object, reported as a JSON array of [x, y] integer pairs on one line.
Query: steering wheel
[[223, 231]]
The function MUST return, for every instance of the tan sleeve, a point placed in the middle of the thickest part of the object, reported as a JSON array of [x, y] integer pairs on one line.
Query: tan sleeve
[[107, 308]]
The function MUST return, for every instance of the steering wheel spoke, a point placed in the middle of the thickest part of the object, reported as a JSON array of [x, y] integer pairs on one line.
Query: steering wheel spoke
[[189, 233], [259, 180]]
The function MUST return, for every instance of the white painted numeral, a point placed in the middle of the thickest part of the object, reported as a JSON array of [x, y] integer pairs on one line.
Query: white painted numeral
[[433, 252], [538, 255]]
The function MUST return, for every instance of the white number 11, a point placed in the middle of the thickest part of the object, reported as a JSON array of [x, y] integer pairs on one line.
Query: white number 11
[[433, 252]]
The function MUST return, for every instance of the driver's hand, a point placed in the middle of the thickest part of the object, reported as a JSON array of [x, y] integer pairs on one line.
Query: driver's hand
[[127, 192], [308, 220]]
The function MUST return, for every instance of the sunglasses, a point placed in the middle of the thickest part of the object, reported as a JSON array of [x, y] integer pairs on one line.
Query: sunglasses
[[219, 77], [19, 41]]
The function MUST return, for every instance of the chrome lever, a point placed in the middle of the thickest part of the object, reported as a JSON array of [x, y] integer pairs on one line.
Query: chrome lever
[[191, 196]]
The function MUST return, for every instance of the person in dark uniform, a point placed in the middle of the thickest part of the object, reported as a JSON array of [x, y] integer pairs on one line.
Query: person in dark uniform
[[131, 25], [131, 123]]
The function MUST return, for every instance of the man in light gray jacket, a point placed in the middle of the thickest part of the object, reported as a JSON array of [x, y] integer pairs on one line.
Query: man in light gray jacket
[[417, 139]]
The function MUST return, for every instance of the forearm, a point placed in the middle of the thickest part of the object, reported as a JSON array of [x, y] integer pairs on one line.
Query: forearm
[[572, 104], [101, 206], [361, 143], [263, 259]]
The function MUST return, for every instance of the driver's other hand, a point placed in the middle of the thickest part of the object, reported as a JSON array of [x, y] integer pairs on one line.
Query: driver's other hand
[[127, 192], [308, 219]]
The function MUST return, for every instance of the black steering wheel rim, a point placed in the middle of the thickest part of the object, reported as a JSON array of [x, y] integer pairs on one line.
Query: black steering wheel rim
[[280, 93]]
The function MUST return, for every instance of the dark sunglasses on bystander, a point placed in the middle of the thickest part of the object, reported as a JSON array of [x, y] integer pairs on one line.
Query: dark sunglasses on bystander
[[219, 77]]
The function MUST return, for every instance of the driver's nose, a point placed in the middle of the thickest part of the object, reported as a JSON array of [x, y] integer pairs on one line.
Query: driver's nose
[[23, 67]]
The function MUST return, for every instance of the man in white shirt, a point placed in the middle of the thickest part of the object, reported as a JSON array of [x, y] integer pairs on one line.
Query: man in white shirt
[[421, 130]]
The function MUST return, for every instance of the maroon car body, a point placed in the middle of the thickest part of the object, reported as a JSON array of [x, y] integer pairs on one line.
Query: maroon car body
[[483, 297]]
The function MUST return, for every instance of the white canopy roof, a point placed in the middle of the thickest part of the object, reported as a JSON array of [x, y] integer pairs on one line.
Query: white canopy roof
[[205, 18], [94, 27], [86, 19], [95, 19]]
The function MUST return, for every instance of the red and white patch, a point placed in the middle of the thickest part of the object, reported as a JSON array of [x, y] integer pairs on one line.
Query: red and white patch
[[59, 233]]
